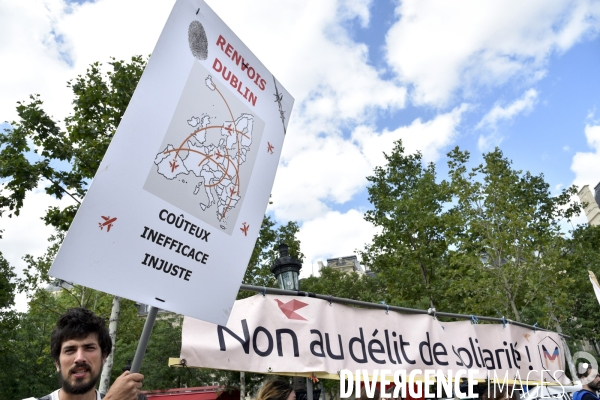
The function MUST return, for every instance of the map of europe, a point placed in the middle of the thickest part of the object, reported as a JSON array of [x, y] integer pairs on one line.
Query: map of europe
[[203, 163]]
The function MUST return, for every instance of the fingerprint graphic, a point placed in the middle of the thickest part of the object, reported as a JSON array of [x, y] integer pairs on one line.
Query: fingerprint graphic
[[197, 40]]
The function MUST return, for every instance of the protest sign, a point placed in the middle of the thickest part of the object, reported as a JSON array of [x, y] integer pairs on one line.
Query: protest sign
[[306, 336], [172, 215], [595, 285]]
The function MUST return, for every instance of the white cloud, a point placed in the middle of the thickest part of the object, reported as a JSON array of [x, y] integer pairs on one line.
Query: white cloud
[[331, 170], [328, 169], [591, 116], [444, 49], [312, 55], [359, 9], [27, 233], [499, 114], [49, 42], [333, 234], [430, 137], [586, 165]]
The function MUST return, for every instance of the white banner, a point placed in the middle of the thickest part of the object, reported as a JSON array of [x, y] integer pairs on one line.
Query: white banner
[[306, 336], [175, 208]]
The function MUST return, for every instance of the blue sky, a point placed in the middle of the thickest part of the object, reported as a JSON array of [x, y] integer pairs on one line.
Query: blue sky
[[364, 73]]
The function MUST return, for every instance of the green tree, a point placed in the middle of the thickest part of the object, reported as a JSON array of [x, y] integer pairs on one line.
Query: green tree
[[485, 241], [8, 323], [37, 147], [27, 368], [165, 342], [7, 285], [583, 256], [345, 285], [412, 248], [508, 227]]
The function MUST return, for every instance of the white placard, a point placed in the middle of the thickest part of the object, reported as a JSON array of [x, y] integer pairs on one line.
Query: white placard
[[173, 213]]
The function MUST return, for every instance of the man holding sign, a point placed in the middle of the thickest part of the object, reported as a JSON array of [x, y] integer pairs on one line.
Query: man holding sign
[[79, 345]]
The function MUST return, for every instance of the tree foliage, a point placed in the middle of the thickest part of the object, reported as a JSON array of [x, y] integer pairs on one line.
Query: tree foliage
[[412, 248], [38, 148], [345, 285], [7, 285], [487, 240], [509, 226], [583, 256]]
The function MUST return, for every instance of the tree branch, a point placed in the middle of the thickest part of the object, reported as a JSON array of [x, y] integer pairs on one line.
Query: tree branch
[[63, 189]]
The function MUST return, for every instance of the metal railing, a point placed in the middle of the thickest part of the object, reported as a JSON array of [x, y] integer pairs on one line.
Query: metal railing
[[405, 310]]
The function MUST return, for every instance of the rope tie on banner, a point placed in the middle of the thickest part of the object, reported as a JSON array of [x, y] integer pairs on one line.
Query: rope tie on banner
[[504, 321], [387, 308], [330, 297], [534, 327], [474, 319], [197, 11], [431, 311], [264, 293]]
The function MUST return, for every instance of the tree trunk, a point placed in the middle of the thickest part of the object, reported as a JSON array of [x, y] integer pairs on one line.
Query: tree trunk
[[112, 330], [510, 297], [242, 385]]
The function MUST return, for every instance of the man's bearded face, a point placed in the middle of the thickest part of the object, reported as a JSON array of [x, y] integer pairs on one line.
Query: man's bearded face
[[80, 364]]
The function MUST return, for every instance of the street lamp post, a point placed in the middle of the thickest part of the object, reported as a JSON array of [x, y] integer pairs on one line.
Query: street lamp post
[[286, 270]]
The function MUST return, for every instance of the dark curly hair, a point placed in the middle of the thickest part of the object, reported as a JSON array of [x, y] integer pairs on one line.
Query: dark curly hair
[[77, 323]]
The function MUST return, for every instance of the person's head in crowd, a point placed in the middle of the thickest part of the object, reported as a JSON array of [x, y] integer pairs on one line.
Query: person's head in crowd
[[589, 377], [276, 389], [79, 345]]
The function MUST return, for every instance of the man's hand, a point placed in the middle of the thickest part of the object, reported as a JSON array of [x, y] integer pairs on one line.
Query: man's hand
[[126, 387]]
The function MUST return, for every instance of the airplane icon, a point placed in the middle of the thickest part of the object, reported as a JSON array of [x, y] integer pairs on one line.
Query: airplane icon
[[219, 155], [228, 129], [270, 147], [244, 229], [108, 222], [173, 165], [278, 97], [289, 308], [232, 191]]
